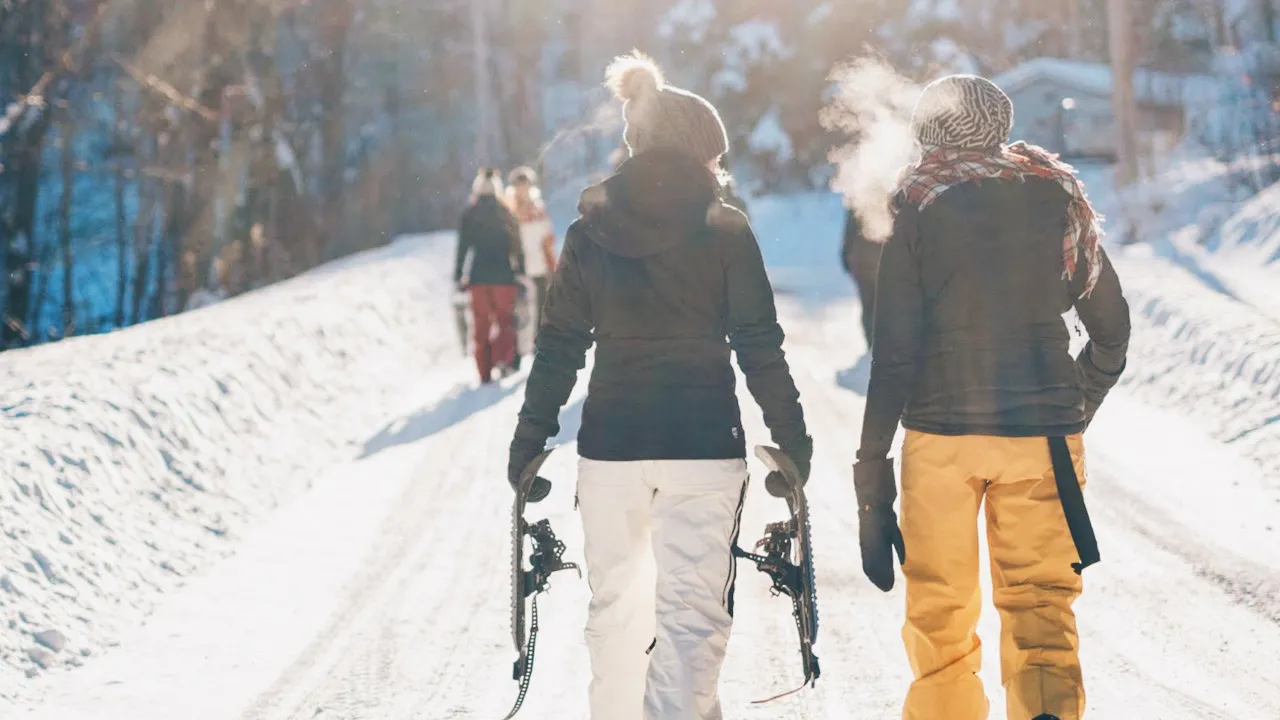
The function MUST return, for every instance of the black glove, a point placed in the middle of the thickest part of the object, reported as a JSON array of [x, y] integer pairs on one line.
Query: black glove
[[522, 453], [801, 453], [878, 532], [1095, 382]]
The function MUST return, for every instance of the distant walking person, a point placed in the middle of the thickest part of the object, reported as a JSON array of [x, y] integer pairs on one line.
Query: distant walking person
[[991, 244], [669, 284], [537, 246], [488, 235], [861, 259]]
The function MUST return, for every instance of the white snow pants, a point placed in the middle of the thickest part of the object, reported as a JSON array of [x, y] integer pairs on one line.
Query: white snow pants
[[658, 537]]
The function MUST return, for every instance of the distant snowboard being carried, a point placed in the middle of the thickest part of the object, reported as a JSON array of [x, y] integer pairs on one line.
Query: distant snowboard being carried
[[547, 557], [785, 554]]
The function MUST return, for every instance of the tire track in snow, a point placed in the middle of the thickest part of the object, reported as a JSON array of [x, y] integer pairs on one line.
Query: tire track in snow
[[421, 508], [1246, 583]]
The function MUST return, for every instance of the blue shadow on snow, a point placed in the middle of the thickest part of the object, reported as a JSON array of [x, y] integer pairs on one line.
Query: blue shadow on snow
[[858, 377], [459, 404]]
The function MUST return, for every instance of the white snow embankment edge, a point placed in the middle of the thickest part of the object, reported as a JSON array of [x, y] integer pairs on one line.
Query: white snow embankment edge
[[1204, 354], [133, 459]]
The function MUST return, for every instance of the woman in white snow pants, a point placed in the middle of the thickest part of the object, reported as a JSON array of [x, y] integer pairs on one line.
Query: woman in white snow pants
[[678, 518], [668, 284]]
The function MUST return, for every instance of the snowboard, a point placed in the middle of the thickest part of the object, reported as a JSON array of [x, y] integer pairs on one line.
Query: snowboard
[[459, 303], [547, 557], [785, 554], [525, 330]]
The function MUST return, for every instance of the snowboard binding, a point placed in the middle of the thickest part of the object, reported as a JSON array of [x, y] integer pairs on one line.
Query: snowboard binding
[[785, 555], [546, 559]]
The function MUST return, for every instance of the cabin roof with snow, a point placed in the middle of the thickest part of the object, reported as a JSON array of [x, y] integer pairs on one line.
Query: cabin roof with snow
[[1150, 87]]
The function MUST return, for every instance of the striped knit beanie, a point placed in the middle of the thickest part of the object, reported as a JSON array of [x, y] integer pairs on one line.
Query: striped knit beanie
[[659, 115], [962, 111]]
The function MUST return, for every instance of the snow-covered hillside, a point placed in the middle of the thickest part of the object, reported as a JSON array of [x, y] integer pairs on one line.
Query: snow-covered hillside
[[134, 459], [1203, 284]]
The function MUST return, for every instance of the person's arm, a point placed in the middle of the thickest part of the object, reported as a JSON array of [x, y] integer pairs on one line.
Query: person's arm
[[515, 248], [899, 319], [561, 347], [464, 246], [756, 337], [852, 233], [1105, 314], [549, 244]]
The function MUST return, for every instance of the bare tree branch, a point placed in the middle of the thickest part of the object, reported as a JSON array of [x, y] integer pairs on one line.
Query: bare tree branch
[[67, 63], [166, 90]]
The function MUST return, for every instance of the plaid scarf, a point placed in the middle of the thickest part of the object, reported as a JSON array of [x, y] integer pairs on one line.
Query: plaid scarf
[[941, 168], [528, 211]]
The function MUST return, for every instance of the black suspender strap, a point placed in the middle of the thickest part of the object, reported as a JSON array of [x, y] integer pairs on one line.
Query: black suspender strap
[[1072, 499]]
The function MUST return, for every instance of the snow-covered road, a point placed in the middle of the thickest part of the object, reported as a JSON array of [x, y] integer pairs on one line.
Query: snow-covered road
[[382, 592]]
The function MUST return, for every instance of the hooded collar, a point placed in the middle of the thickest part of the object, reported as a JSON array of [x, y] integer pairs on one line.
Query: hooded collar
[[489, 213], [657, 200]]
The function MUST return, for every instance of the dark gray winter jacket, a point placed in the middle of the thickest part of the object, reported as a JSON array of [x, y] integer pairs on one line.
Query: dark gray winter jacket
[[490, 234], [665, 280], [969, 336]]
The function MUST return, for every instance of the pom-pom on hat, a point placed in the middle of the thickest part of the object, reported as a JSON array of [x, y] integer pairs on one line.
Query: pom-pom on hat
[[659, 115], [963, 111], [487, 182], [522, 174]]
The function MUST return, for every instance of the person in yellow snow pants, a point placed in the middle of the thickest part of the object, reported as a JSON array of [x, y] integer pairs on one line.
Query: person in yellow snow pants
[[992, 243], [944, 483]]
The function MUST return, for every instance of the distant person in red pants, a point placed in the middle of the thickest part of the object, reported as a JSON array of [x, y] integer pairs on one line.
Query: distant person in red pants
[[490, 236]]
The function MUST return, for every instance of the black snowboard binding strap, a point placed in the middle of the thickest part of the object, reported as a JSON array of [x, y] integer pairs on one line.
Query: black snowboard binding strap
[[785, 554], [547, 558], [773, 558]]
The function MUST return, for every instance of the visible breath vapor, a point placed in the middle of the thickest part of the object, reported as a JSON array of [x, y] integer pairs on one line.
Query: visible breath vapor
[[603, 120], [873, 105]]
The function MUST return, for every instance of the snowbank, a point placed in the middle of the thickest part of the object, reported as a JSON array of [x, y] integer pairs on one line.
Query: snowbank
[[1202, 286], [1243, 252], [132, 459], [1203, 215], [1205, 353]]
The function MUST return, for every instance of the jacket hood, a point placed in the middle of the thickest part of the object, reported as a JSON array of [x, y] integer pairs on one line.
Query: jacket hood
[[489, 213], [657, 200]]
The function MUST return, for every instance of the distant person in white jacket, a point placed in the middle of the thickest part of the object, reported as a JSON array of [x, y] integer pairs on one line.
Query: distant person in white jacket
[[537, 242]]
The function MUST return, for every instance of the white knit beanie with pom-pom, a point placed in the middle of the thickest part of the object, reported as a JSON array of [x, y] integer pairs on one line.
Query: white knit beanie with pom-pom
[[659, 115], [487, 182]]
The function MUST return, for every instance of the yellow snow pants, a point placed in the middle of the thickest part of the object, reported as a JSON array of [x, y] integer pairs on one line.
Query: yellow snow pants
[[944, 481]]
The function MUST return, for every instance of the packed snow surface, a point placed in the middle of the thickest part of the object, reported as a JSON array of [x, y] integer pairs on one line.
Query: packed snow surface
[[381, 592], [134, 459]]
